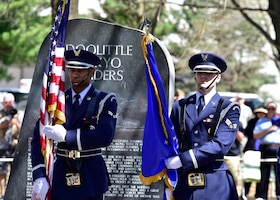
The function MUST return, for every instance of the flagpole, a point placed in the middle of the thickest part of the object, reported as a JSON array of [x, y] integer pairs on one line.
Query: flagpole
[[159, 136], [52, 108]]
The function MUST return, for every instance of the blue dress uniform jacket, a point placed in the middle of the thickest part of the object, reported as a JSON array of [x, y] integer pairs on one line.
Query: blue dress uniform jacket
[[204, 153], [97, 134]]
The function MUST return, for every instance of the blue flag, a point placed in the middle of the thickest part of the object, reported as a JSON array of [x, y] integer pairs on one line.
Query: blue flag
[[159, 140]]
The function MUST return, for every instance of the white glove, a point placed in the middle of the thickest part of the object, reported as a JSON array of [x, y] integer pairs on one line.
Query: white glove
[[40, 188], [56, 132], [167, 194], [173, 162]]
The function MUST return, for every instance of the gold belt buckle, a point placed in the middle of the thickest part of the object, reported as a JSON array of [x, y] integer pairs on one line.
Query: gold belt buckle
[[74, 154], [73, 179], [196, 179]]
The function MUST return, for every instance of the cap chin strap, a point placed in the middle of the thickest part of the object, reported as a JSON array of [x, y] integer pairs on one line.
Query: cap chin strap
[[79, 84], [206, 88]]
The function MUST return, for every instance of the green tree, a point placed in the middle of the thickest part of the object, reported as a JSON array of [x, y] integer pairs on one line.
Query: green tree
[[217, 26], [22, 30], [267, 23], [200, 26]]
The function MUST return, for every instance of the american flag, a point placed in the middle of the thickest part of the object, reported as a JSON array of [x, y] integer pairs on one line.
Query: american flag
[[52, 108]]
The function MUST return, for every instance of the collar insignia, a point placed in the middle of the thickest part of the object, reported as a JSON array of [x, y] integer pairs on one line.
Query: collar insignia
[[191, 99]]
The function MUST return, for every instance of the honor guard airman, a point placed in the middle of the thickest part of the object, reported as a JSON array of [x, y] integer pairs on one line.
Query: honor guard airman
[[206, 127], [79, 171]]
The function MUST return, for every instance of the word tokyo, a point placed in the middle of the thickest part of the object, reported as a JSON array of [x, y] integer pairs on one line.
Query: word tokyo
[[111, 58]]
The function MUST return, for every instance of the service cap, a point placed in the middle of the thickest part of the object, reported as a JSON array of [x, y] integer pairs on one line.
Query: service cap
[[80, 59], [207, 62]]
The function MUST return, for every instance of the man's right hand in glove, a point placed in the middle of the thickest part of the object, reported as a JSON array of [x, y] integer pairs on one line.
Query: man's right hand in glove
[[40, 189]]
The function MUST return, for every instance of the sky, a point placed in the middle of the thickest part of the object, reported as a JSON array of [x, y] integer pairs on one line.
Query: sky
[[272, 89], [85, 5]]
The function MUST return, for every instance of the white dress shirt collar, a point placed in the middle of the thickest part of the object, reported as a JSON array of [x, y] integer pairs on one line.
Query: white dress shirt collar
[[82, 94], [207, 97]]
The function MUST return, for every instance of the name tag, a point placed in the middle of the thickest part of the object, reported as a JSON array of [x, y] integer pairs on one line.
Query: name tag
[[73, 179], [196, 179]]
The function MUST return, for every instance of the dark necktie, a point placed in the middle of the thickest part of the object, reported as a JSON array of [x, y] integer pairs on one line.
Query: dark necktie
[[200, 104], [76, 102]]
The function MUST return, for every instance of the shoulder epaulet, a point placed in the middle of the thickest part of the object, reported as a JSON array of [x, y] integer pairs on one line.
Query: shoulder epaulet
[[186, 101], [183, 102], [183, 143]]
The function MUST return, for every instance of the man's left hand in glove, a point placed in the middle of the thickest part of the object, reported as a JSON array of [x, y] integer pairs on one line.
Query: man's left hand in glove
[[56, 132]]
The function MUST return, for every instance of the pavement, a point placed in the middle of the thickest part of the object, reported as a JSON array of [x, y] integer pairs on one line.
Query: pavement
[[251, 195]]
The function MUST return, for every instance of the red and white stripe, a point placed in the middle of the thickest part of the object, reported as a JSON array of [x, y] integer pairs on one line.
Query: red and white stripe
[[52, 107]]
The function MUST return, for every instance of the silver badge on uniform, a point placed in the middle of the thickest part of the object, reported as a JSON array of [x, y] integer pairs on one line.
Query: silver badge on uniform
[[73, 179], [196, 179], [230, 124], [91, 127]]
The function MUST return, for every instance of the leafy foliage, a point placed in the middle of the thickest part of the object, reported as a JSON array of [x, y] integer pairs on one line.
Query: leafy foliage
[[22, 30], [201, 26], [185, 28]]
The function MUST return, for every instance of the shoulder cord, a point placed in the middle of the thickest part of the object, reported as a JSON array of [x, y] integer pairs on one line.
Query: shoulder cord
[[216, 117], [91, 106], [92, 103], [223, 114], [101, 104], [216, 121], [184, 141]]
